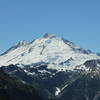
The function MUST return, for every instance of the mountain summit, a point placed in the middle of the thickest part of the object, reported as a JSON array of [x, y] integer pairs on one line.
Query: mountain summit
[[49, 49], [49, 35]]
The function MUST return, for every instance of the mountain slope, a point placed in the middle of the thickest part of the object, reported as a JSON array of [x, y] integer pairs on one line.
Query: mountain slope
[[12, 89], [86, 86]]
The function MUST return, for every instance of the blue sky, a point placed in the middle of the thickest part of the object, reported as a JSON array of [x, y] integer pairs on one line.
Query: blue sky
[[75, 20]]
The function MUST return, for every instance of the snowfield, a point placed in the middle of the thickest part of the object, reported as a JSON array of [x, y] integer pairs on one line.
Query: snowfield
[[60, 54]]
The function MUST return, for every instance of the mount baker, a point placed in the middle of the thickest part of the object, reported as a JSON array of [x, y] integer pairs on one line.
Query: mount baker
[[55, 67]]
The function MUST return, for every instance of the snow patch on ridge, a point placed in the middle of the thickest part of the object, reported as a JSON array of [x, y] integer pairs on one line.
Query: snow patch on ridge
[[57, 91]]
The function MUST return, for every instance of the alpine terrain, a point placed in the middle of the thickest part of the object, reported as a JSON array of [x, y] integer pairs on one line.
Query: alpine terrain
[[56, 68]]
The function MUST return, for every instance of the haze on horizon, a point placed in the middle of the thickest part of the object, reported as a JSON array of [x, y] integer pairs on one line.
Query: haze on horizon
[[75, 20]]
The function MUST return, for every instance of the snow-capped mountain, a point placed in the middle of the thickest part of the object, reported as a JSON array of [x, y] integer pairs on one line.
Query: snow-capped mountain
[[52, 64], [59, 53]]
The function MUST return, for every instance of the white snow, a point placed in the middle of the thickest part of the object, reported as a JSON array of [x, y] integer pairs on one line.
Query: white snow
[[64, 87], [57, 91], [49, 50], [29, 73]]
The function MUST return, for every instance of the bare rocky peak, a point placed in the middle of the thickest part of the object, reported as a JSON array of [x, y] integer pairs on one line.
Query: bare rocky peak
[[49, 35], [21, 43]]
